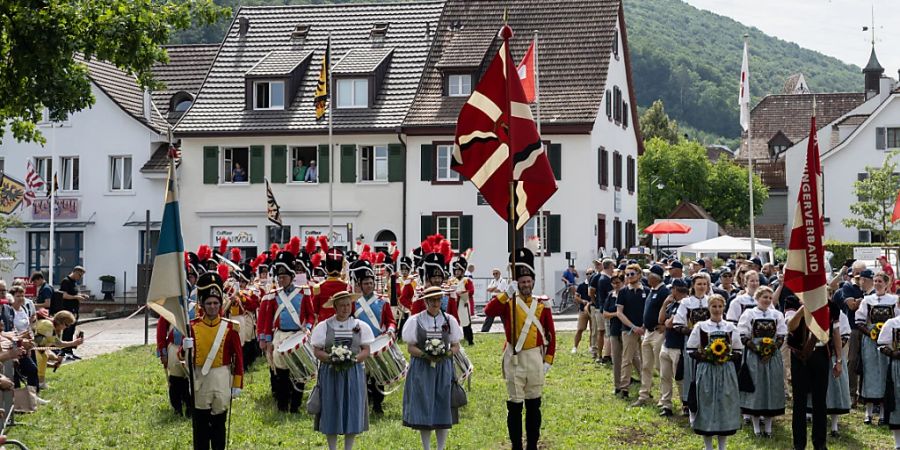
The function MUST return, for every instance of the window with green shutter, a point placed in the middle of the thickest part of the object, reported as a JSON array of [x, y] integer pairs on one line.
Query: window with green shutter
[[279, 164], [465, 233], [211, 165], [427, 227], [396, 163], [348, 163], [324, 164], [554, 154], [554, 233], [257, 163], [427, 161]]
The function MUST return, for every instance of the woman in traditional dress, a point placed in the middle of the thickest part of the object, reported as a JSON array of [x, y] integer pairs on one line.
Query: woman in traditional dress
[[746, 299], [763, 330], [889, 345], [342, 386], [837, 400], [873, 312], [692, 311], [426, 394], [712, 345]]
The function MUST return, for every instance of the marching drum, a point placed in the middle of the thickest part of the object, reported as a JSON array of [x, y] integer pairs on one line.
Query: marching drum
[[386, 363], [297, 353], [462, 366]]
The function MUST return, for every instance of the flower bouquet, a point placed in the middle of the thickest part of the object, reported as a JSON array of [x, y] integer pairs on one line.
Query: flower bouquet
[[435, 350], [717, 351], [766, 347], [876, 330], [341, 358]]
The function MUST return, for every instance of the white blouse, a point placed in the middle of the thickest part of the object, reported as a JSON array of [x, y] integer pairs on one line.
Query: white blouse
[[736, 307], [862, 314], [745, 323], [886, 337], [429, 321], [709, 327], [320, 332], [681, 315]]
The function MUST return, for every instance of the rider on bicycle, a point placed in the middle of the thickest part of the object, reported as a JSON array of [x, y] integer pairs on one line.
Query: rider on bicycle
[[569, 277]]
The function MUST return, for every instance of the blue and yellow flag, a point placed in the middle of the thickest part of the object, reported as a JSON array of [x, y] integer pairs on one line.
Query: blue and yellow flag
[[167, 284], [322, 86]]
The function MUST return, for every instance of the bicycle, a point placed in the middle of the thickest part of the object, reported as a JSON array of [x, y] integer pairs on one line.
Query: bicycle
[[566, 300]]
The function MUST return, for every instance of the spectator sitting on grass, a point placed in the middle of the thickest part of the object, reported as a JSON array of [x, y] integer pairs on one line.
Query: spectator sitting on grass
[[47, 334]]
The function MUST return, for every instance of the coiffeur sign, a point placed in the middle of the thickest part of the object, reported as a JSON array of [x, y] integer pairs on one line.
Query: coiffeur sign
[[66, 209]]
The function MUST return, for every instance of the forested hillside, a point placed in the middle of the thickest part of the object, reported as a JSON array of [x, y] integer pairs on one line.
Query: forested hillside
[[687, 57]]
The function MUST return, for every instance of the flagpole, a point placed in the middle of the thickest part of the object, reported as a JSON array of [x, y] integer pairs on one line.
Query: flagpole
[[330, 140], [750, 162], [537, 101], [52, 188], [506, 33]]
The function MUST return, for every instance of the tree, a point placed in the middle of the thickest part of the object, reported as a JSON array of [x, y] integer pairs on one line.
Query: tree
[[6, 244], [39, 40], [656, 123], [877, 194], [729, 200]]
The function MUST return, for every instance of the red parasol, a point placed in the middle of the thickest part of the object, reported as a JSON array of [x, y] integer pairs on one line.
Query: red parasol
[[667, 227]]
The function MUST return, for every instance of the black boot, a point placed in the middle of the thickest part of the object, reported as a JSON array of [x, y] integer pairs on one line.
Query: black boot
[[468, 335], [514, 424], [376, 396], [283, 389], [218, 434], [185, 386], [273, 382], [201, 429], [175, 394], [533, 422], [296, 395]]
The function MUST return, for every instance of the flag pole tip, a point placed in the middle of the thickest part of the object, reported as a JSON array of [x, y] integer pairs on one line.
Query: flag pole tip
[[506, 32], [746, 35]]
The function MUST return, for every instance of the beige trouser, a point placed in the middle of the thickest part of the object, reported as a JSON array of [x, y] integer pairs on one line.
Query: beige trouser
[[631, 357], [650, 346], [213, 390], [668, 364], [786, 360], [175, 367], [597, 330], [525, 378], [246, 327]]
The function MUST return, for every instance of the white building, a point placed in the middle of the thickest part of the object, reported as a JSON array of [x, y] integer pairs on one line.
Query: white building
[[255, 113], [861, 137], [588, 120]]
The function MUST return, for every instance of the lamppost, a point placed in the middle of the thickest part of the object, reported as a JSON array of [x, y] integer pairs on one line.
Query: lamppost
[[654, 182]]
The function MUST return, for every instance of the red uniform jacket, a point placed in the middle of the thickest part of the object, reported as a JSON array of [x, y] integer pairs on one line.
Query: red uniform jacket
[[470, 289], [231, 349], [499, 306], [406, 291], [329, 287], [267, 323], [386, 320], [418, 305]]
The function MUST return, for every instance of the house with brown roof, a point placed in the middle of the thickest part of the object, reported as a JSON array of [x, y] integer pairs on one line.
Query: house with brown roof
[[254, 119], [588, 122]]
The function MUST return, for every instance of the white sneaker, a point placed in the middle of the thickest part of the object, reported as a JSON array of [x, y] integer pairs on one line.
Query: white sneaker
[[41, 401], [44, 385], [574, 350]]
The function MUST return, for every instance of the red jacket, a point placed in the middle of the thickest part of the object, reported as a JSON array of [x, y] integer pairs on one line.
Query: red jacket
[[386, 320], [499, 306], [328, 288], [406, 291], [231, 349], [267, 323], [418, 305], [470, 289]]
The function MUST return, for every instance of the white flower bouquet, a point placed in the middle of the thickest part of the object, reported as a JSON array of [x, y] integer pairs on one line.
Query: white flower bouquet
[[341, 358], [435, 350]]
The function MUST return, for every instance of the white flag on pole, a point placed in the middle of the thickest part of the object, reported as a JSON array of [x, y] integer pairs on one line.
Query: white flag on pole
[[744, 98]]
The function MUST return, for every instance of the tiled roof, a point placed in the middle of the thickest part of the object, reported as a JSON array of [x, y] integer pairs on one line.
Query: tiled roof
[[576, 39], [279, 63], [187, 67], [361, 61], [791, 114], [219, 107], [123, 89], [159, 161]]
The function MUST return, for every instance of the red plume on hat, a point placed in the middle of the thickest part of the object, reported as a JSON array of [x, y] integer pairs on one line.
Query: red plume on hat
[[223, 246], [379, 258], [204, 252], [395, 254], [427, 247], [254, 263], [446, 251], [323, 243], [235, 255], [222, 269], [434, 240], [392, 247], [310, 245], [293, 246], [273, 251], [187, 259], [315, 260]]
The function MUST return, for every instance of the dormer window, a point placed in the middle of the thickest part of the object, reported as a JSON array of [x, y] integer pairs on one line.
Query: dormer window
[[459, 85], [379, 30], [779, 144], [353, 93], [300, 31], [268, 95]]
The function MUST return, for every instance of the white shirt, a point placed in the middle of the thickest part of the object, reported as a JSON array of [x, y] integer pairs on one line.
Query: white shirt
[[886, 337], [434, 322], [844, 325], [21, 320], [745, 324], [862, 314], [499, 283], [320, 332], [738, 306], [681, 315], [709, 327]]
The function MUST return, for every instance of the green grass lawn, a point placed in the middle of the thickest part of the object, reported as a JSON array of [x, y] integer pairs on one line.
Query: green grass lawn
[[119, 401]]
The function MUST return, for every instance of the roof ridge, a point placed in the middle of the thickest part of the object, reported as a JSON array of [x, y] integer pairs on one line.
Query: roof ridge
[[343, 5]]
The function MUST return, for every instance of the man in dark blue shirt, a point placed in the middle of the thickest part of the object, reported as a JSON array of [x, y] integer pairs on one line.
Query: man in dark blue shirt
[[600, 287], [630, 310], [670, 355], [652, 341], [614, 331], [583, 300], [44, 291]]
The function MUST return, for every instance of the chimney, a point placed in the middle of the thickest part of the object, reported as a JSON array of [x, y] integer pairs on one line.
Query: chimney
[[243, 26], [148, 107]]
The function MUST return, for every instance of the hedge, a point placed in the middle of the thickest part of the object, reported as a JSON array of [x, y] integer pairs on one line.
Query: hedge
[[844, 250]]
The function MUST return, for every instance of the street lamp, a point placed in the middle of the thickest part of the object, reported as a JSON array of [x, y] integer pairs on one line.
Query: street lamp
[[655, 181]]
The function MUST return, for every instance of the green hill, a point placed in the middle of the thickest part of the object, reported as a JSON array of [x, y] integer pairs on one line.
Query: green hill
[[691, 59]]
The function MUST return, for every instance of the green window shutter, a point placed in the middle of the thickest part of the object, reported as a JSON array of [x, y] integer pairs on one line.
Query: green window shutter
[[279, 163], [880, 141], [257, 163], [348, 163], [396, 163], [324, 164], [210, 165], [427, 161], [553, 233], [427, 226], [554, 154], [465, 233]]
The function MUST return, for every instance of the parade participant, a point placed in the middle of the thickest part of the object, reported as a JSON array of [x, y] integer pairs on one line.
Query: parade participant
[[756, 265], [763, 330], [342, 384], [692, 311], [406, 289], [851, 293], [218, 365], [614, 331], [712, 345], [169, 340], [873, 312], [430, 374], [282, 315], [630, 307], [465, 294], [889, 345], [334, 265], [435, 261], [529, 350], [746, 300], [654, 331], [676, 270], [670, 354], [242, 307], [837, 401], [373, 311]]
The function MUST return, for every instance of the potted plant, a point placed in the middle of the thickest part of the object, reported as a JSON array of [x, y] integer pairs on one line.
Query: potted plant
[[108, 288]]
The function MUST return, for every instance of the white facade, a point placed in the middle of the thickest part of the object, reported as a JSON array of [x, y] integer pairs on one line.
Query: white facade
[[841, 165], [91, 230]]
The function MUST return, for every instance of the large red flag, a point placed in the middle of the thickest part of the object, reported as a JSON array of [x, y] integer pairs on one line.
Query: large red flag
[[804, 272], [497, 142], [895, 216], [526, 73]]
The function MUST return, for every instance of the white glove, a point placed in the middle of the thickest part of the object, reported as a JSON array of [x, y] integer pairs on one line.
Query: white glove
[[187, 343], [511, 289], [547, 367], [235, 392]]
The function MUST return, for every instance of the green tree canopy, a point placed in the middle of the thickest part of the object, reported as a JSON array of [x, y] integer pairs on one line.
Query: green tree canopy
[[876, 196], [38, 42], [655, 123]]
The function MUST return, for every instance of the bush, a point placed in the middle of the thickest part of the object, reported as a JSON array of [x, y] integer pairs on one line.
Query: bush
[[844, 250]]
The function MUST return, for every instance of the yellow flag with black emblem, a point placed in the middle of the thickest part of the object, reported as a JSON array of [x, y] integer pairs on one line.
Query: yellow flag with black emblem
[[322, 86]]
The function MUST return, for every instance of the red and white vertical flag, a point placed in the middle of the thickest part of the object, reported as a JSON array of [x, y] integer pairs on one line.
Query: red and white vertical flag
[[744, 97], [804, 272], [895, 216], [526, 74], [33, 181]]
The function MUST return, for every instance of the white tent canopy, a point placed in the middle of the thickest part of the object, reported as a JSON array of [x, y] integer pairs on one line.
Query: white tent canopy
[[725, 246]]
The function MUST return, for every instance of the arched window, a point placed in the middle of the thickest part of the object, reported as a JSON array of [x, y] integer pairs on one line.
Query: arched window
[[385, 236], [180, 102]]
